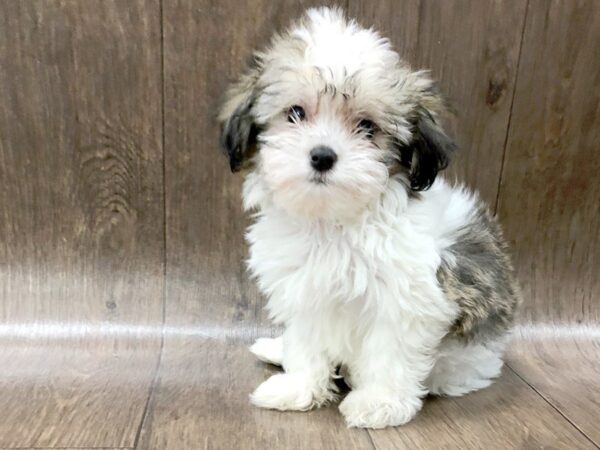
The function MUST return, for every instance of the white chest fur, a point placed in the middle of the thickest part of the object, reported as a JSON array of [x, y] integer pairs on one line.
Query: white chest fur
[[382, 264], [365, 295]]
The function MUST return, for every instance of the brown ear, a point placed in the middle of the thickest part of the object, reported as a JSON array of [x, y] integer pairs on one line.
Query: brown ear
[[432, 150], [239, 130], [238, 136]]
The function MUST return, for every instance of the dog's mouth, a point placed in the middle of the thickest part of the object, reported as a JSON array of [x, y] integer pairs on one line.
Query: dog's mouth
[[319, 179]]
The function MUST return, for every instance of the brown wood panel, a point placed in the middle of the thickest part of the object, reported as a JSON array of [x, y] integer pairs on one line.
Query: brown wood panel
[[564, 366], [80, 161], [550, 197], [81, 220], [472, 48], [73, 394]]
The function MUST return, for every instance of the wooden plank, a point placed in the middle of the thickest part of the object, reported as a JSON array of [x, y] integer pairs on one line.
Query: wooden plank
[[563, 364], [80, 161], [81, 246], [73, 394], [201, 400], [472, 48], [549, 196]]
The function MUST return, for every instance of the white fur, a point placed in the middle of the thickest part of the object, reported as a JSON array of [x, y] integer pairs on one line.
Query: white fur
[[269, 350], [365, 294], [286, 392], [460, 368], [329, 53], [349, 265]]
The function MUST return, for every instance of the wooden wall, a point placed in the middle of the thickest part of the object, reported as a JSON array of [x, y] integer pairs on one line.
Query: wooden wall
[[116, 208], [108, 149], [81, 216], [88, 100], [549, 199]]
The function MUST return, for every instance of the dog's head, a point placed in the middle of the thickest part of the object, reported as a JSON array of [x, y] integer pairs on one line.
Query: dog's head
[[327, 114]]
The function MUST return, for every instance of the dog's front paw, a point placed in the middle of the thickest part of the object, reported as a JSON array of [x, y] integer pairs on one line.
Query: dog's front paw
[[371, 408], [292, 392], [284, 391]]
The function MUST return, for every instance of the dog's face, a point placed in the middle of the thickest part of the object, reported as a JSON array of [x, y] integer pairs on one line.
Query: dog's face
[[327, 114]]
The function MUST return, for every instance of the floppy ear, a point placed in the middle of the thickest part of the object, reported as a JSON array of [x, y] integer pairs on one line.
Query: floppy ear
[[238, 135], [239, 130], [431, 152]]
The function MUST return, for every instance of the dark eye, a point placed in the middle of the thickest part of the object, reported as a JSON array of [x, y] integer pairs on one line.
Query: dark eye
[[296, 114], [367, 126]]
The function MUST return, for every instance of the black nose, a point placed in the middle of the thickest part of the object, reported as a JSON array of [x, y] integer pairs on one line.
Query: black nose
[[322, 158]]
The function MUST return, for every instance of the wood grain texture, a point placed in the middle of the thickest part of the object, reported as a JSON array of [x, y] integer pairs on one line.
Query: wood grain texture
[[550, 197], [81, 247], [563, 365], [80, 161], [72, 394], [472, 48]]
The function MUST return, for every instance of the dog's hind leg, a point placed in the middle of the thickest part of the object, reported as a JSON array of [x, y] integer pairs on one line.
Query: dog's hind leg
[[269, 350], [461, 368]]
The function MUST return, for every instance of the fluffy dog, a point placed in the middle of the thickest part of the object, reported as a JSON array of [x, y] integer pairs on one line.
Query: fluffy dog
[[368, 261]]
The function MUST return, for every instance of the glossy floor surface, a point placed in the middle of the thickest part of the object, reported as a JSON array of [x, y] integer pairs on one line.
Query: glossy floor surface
[[126, 392], [125, 310]]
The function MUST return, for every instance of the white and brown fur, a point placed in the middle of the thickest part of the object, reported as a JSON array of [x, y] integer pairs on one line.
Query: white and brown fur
[[375, 265]]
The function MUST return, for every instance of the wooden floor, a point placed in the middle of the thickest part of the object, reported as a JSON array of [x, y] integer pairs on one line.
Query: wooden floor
[[114, 394], [125, 311]]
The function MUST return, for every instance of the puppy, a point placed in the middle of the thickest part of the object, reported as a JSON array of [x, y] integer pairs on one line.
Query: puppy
[[368, 260]]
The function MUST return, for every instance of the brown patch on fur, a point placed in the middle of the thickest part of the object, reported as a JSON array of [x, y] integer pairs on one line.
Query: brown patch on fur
[[477, 274]]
